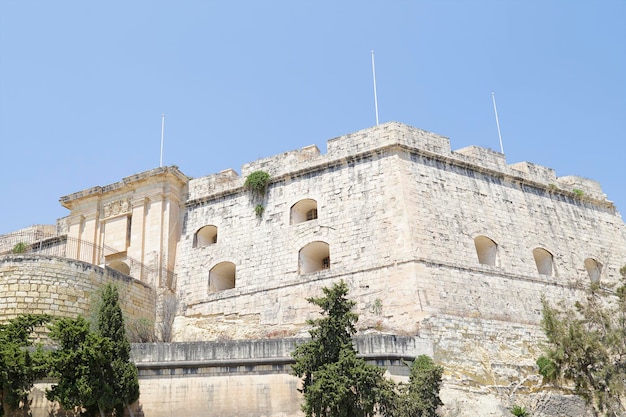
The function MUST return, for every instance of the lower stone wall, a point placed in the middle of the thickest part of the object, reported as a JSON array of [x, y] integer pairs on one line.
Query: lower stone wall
[[488, 368], [246, 378], [490, 365], [252, 378], [65, 287]]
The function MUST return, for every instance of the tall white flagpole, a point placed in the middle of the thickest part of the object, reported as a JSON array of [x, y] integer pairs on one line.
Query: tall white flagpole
[[375, 96], [493, 98], [162, 131]]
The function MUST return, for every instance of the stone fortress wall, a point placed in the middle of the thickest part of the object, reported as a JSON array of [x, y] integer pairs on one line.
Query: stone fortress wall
[[402, 216], [62, 287], [455, 246], [452, 248]]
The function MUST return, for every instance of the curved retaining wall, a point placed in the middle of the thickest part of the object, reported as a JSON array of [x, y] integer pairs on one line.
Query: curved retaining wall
[[65, 287]]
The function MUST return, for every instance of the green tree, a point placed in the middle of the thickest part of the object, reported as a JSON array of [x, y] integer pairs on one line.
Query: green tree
[[335, 382], [18, 367], [93, 368], [80, 364], [420, 397], [123, 376], [587, 346]]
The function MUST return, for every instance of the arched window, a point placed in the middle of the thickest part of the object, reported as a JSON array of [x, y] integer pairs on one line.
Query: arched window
[[314, 257], [222, 277], [120, 266], [544, 261], [594, 269], [486, 249], [205, 236], [304, 210]]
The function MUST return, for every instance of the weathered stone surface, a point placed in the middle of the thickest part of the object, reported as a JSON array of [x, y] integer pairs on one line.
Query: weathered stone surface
[[455, 248], [65, 288]]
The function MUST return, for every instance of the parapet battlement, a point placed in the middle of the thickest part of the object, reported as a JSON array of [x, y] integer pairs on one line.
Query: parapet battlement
[[390, 136]]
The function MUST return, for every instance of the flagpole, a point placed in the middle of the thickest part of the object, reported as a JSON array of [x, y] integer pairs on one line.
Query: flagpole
[[162, 131], [493, 98], [375, 96]]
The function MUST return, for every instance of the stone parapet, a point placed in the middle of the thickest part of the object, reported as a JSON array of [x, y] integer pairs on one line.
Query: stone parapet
[[263, 350], [392, 137]]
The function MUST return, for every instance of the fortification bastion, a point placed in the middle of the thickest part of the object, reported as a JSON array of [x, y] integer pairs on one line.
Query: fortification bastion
[[454, 248]]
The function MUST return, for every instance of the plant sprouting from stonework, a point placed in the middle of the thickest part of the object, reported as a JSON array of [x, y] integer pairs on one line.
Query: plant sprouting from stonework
[[519, 411], [257, 183], [578, 192], [20, 247], [377, 307]]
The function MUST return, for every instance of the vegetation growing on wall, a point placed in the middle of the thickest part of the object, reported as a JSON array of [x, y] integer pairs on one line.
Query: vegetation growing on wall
[[519, 411], [257, 183], [587, 347], [20, 247]]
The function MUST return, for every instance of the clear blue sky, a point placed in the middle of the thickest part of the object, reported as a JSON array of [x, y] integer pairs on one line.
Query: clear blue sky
[[83, 85]]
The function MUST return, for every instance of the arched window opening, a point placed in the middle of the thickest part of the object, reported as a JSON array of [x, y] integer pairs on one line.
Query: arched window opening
[[222, 277], [205, 236], [544, 261], [594, 269], [314, 257], [304, 210], [120, 266], [487, 250]]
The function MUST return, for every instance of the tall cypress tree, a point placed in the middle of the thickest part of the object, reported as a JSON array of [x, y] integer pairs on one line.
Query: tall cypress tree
[[123, 373], [93, 368], [336, 383]]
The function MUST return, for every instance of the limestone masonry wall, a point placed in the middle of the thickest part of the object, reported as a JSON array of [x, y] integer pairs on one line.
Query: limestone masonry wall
[[244, 378], [400, 213], [451, 249], [405, 220], [64, 287]]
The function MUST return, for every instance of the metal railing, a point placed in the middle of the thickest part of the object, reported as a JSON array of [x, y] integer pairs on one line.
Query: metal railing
[[63, 246]]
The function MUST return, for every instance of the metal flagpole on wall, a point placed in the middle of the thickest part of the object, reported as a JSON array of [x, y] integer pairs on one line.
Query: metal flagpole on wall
[[162, 131], [493, 97], [375, 97]]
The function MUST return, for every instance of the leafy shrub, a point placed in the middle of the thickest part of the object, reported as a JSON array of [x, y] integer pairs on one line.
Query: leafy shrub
[[140, 330], [20, 247], [257, 182]]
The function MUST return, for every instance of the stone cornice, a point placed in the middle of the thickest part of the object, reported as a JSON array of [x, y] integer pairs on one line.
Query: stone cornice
[[170, 173]]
